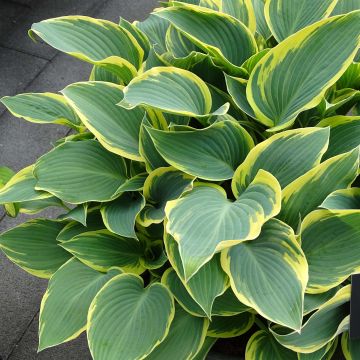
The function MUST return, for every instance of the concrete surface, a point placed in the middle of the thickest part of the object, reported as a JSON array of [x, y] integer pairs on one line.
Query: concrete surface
[[24, 67]]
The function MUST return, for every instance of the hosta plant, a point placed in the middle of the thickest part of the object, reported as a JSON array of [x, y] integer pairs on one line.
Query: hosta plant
[[208, 186]]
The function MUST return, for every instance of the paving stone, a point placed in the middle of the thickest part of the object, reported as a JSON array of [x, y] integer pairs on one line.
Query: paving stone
[[27, 349], [61, 71], [21, 142], [129, 9], [17, 70], [41, 10], [20, 298], [20, 292], [10, 14], [23, 2]]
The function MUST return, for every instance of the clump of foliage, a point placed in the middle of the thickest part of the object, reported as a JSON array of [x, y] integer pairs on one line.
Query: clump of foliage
[[209, 183]]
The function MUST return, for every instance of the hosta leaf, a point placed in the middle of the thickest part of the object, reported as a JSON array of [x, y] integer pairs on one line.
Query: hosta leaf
[[136, 183], [286, 155], [99, 73], [202, 25], [350, 348], [262, 27], [324, 353], [330, 242], [224, 305], [124, 298], [185, 338], [138, 34], [91, 173], [33, 246], [344, 134], [103, 43], [314, 301], [190, 96], [42, 108], [251, 62], [172, 281], [205, 286], [119, 215], [212, 153], [162, 185], [276, 105], [32, 206], [116, 129], [286, 17], [307, 192], [78, 213], [210, 4], [102, 250], [351, 77], [262, 345], [232, 222], [155, 29], [150, 155], [21, 187], [228, 304], [237, 90], [342, 102], [75, 137], [344, 199], [230, 326], [5, 175], [208, 343], [65, 304], [177, 44], [323, 326], [346, 6], [277, 290], [73, 228], [242, 10], [187, 62]]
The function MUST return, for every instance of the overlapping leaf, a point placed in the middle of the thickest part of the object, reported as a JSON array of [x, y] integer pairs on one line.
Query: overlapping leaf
[[125, 299], [344, 134], [42, 108], [205, 286], [275, 91], [212, 153], [103, 43], [190, 96], [286, 17], [102, 250], [119, 215], [185, 338], [232, 222], [65, 304], [116, 129], [286, 155], [308, 191], [91, 173], [270, 274], [162, 185], [201, 26], [332, 318], [33, 246], [336, 232]]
